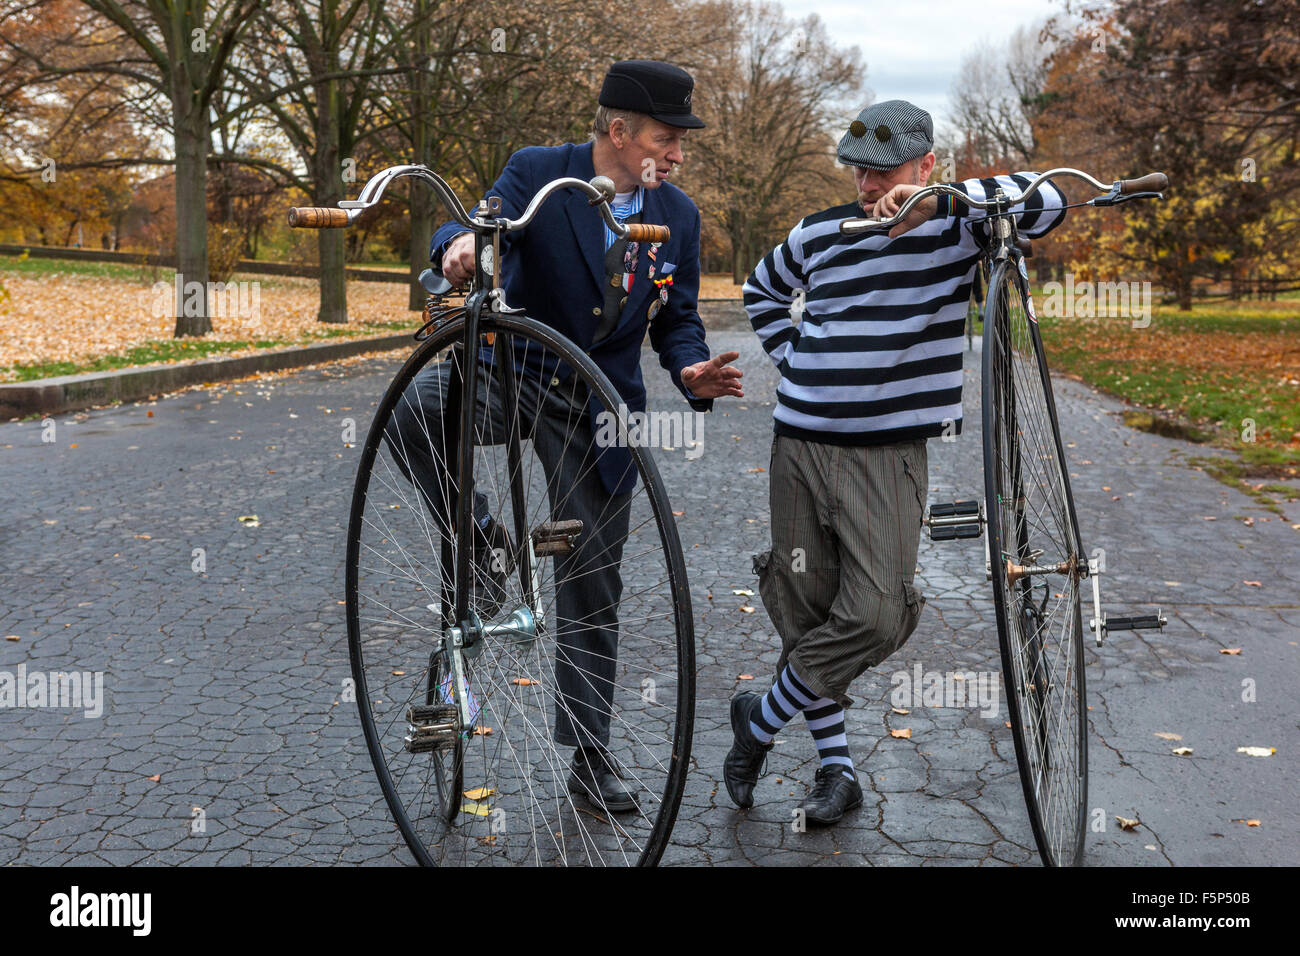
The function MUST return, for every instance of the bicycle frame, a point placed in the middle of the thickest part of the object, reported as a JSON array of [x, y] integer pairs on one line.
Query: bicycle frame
[[465, 631], [1003, 248]]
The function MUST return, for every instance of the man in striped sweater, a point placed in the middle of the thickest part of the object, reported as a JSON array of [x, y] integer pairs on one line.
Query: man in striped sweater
[[873, 369]]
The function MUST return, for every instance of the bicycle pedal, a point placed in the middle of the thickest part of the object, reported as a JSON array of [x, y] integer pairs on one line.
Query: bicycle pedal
[[430, 727], [555, 537], [1141, 622], [955, 519]]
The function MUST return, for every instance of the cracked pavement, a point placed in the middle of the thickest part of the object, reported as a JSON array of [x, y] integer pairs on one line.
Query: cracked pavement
[[222, 685]]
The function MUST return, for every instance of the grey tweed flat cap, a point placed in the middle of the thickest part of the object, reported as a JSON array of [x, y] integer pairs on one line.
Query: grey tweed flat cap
[[886, 135]]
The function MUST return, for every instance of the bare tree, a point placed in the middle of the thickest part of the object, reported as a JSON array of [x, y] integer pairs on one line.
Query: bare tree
[[775, 94]]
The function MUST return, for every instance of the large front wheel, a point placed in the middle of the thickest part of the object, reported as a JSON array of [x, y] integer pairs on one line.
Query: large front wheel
[[579, 629], [1037, 565]]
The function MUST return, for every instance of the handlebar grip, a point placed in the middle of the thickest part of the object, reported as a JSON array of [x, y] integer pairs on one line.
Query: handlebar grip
[[1150, 183], [317, 217], [645, 232]]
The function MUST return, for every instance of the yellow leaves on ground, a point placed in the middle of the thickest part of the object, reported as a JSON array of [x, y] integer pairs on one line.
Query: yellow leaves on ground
[[905, 734], [68, 317]]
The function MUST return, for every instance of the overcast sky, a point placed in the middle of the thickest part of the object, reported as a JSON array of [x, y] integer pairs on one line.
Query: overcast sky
[[912, 48]]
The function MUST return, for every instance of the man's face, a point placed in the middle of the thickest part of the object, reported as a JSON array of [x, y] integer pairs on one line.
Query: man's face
[[874, 183], [650, 155]]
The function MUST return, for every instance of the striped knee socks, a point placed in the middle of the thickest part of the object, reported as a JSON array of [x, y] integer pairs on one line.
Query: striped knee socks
[[787, 697]]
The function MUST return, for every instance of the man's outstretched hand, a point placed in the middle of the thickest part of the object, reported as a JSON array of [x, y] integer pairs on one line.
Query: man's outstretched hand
[[713, 377]]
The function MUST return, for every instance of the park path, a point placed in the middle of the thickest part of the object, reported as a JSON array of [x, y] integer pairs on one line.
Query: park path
[[222, 687]]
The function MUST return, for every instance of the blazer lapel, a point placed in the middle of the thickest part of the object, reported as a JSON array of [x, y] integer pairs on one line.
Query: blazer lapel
[[588, 228]]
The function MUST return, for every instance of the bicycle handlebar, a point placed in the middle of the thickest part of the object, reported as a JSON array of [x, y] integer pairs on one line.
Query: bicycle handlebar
[[317, 217], [1122, 187], [600, 193]]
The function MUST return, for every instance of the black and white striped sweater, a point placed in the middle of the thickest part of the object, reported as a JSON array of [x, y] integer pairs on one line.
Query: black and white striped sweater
[[877, 356]]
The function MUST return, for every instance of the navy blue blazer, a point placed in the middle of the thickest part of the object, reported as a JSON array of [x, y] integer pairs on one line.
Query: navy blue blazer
[[555, 271]]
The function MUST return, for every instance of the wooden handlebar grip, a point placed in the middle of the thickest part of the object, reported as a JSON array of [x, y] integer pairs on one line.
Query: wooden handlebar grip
[[317, 217], [1150, 183], [645, 232]]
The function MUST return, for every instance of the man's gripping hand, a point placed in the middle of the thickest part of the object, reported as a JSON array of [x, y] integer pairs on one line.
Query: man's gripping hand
[[714, 377], [458, 260], [887, 206]]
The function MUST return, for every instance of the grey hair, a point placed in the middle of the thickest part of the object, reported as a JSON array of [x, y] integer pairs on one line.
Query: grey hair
[[606, 115]]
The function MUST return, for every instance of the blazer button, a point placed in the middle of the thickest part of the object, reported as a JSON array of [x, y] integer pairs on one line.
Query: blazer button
[[555, 380], [596, 311], [622, 303]]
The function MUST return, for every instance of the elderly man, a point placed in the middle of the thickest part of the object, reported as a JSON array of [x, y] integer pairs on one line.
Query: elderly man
[[609, 302], [872, 371]]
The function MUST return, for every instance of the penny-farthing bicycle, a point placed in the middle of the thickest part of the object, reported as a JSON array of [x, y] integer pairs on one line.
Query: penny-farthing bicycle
[[1034, 553], [459, 549]]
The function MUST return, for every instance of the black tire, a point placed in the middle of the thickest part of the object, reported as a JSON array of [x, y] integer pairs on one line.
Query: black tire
[[509, 758], [1030, 508]]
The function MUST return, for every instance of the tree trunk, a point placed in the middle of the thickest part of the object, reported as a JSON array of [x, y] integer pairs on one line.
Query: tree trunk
[[423, 204], [328, 180], [192, 133], [1184, 291]]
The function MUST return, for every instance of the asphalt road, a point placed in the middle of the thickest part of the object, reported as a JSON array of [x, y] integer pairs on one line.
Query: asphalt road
[[222, 739]]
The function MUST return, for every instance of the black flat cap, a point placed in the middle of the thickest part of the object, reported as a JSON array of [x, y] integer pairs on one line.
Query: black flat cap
[[660, 90], [886, 135]]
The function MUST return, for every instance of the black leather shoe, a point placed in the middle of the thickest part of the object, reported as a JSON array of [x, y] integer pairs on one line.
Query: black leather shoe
[[744, 763], [591, 775], [833, 795]]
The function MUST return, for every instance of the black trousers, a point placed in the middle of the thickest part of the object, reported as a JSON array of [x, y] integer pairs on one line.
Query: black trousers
[[588, 582]]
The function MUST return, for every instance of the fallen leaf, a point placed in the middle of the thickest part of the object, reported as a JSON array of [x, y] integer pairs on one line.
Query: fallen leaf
[[479, 793], [1234, 651], [1253, 584], [1249, 823], [755, 470], [1007, 724], [899, 710], [523, 682], [148, 414], [489, 840], [1167, 736], [679, 513], [399, 673], [1209, 518], [480, 731], [12, 637], [1127, 824], [906, 733], [156, 777], [746, 609], [475, 809], [1257, 751], [1183, 751], [73, 445], [745, 677], [249, 520], [743, 592]]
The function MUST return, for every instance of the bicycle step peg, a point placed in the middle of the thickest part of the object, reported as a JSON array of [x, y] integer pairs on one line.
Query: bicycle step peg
[[555, 537], [948, 521], [430, 727]]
